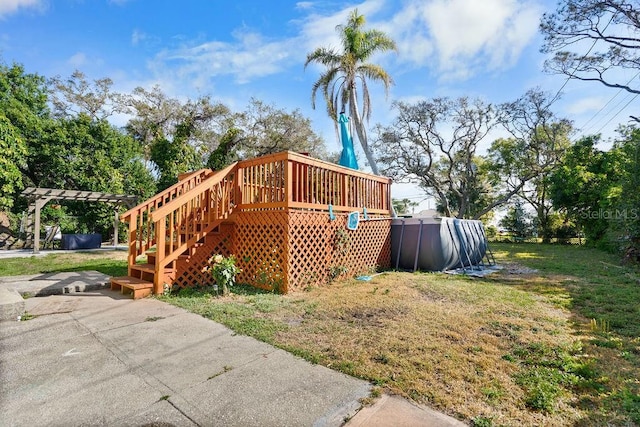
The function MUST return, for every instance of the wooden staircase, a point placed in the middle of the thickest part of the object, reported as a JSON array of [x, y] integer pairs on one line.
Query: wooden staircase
[[171, 226]]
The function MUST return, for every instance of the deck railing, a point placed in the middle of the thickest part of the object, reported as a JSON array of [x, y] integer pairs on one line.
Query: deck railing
[[289, 180]]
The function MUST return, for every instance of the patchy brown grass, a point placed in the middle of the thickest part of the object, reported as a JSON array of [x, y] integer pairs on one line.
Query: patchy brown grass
[[517, 348], [436, 339]]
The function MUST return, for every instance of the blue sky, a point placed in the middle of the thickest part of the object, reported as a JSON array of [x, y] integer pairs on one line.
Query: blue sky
[[240, 49]]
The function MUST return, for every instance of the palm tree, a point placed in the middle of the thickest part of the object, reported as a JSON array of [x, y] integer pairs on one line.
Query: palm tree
[[348, 67]]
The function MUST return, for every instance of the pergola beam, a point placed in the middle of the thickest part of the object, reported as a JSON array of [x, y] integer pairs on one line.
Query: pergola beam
[[40, 196], [83, 196]]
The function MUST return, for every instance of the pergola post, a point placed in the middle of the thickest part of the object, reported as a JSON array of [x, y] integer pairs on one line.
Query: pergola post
[[116, 222], [28, 229], [40, 202]]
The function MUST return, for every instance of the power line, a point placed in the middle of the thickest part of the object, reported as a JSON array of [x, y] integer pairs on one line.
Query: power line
[[584, 128], [620, 111], [612, 110]]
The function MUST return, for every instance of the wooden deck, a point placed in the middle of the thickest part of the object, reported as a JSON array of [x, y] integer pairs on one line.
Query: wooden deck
[[271, 212]]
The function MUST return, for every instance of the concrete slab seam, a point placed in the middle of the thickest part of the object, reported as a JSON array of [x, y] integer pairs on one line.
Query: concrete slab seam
[[182, 412], [136, 369]]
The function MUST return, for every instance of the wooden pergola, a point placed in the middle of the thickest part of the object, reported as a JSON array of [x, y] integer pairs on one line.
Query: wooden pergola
[[39, 197]]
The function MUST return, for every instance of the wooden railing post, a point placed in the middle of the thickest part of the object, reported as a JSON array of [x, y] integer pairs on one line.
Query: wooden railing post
[[239, 185], [344, 197], [161, 229], [133, 241], [288, 181]]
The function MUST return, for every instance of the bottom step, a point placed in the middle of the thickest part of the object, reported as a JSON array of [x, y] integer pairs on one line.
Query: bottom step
[[131, 285]]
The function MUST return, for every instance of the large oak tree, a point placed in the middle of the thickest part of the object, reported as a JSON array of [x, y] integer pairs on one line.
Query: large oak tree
[[434, 143]]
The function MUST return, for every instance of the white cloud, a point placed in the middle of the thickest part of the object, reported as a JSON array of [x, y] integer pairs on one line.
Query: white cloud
[[320, 31], [137, 36], [455, 38], [248, 57], [464, 35], [586, 105], [78, 60], [10, 6], [411, 35], [304, 5]]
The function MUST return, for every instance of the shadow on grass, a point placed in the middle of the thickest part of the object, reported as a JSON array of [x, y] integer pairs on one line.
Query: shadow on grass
[[596, 285], [208, 290], [604, 299]]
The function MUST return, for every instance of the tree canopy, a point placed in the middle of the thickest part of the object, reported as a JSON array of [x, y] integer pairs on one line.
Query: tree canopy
[[13, 151], [74, 146], [523, 162], [434, 144], [598, 190]]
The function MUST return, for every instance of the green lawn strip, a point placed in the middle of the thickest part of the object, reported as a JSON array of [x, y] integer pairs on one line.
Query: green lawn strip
[[111, 264], [241, 312]]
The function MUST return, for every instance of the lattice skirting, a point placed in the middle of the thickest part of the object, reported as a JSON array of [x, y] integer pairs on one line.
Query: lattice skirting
[[321, 250], [290, 250], [189, 269]]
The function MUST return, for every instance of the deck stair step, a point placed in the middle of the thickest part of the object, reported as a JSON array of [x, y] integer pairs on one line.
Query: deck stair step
[[147, 268], [131, 285]]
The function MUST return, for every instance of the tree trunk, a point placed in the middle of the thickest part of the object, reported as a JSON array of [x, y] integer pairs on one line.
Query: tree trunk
[[362, 133], [362, 137]]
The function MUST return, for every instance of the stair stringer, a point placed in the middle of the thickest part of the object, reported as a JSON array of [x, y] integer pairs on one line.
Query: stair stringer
[[188, 272]]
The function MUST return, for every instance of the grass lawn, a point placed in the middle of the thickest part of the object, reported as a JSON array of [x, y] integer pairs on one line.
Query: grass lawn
[[111, 263], [552, 339]]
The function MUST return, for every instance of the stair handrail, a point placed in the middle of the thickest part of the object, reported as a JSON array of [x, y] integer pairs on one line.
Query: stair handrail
[[204, 185], [182, 184], [140, 228], [194, 214]]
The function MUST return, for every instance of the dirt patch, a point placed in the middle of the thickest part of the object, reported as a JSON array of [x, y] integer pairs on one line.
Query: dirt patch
[[517, 269], [373, 316]]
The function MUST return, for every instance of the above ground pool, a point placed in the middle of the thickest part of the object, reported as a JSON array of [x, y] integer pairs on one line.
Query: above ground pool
[[437, 244]]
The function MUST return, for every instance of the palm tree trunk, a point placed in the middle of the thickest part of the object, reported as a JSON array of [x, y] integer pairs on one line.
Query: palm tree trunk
[[362, 137], [362, 133]]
